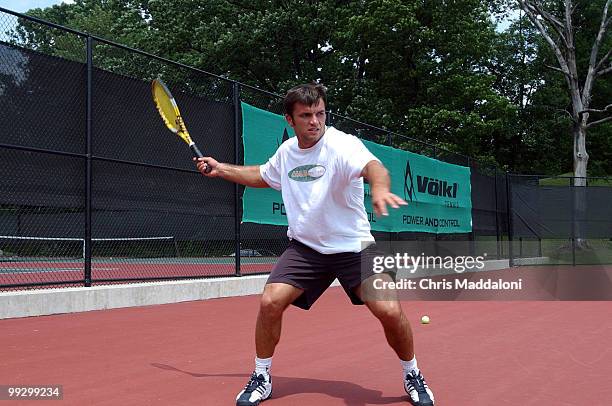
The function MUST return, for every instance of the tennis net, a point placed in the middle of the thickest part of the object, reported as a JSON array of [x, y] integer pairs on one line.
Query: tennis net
[[16, 248]]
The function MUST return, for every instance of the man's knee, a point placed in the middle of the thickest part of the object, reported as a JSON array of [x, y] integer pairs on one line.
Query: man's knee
[[387, 312], [276, 299], [271, 306]]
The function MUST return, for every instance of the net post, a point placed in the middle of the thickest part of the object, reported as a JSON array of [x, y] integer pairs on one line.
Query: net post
[[237, 114], [177, 254], [88, 174], [539, 246]]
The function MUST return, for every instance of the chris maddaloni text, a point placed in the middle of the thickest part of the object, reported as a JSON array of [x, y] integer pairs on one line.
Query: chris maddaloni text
[[444, 284]]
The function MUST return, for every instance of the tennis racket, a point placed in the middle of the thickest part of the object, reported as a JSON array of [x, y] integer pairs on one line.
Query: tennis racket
[[169, 112]]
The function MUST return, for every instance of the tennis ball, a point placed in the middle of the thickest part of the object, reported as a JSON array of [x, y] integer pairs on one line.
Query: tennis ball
[[425, 320]]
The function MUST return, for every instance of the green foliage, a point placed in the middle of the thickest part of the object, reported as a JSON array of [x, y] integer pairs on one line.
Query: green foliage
[[434, 70]]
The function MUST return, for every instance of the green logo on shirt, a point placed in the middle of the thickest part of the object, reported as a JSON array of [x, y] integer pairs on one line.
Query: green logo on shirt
[[307, 173]]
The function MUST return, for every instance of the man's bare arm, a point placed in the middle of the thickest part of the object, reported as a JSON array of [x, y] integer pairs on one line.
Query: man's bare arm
[[244, 175], [378, 178]]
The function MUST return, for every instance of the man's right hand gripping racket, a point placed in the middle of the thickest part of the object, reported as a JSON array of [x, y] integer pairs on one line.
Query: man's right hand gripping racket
[[169, 112]]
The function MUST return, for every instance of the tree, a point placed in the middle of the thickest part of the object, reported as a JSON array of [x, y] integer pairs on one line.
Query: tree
[[537, 140], [556, 26], [417, 68]]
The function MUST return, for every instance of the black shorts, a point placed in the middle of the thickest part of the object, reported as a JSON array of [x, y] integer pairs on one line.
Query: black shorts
[[307, 269]]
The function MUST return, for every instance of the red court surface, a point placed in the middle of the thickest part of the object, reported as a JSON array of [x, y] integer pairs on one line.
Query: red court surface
[[24, 272], [200, 353]]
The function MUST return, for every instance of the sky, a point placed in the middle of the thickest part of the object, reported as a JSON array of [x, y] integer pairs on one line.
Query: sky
[[24, 5]]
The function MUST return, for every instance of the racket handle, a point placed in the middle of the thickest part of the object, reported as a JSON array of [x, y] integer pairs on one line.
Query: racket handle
[[198, 154], [196, 151]]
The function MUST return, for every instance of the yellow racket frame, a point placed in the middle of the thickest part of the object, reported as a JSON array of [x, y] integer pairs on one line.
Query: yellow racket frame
[[171, 115]]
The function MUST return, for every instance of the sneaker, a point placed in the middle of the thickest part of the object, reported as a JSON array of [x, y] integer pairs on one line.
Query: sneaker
[[257, 390], [417, 389]]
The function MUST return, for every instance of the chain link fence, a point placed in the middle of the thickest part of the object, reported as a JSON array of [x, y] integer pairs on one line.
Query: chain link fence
[[94, 190]]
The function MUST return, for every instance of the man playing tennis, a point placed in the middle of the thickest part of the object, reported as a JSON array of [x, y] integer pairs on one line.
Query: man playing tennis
[[320, 173]]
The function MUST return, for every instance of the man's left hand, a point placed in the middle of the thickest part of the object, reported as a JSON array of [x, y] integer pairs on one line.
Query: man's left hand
[[380, 200]]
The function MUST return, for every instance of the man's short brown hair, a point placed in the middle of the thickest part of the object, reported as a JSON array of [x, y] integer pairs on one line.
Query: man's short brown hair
[[308, 94]]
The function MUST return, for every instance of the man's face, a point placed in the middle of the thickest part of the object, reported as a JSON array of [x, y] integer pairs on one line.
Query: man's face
[[308, 122]]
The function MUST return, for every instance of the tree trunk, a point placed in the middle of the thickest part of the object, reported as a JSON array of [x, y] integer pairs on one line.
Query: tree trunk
[[581, 159]]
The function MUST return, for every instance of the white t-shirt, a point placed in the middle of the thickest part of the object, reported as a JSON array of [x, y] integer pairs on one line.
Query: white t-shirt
[[322, 191]]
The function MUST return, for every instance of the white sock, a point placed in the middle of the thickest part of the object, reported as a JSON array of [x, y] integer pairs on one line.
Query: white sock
[[263, 365], [409, 366]]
